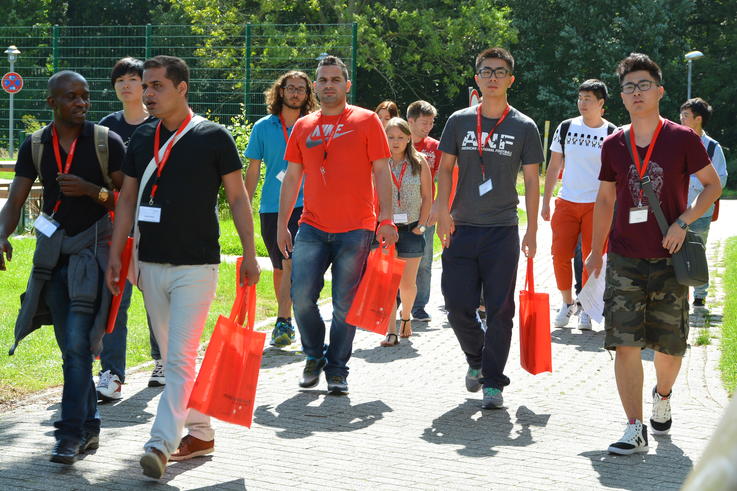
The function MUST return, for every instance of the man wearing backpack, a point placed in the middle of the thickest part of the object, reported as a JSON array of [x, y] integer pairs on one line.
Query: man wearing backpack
[[577, 142], [695, 114], [78, 163]]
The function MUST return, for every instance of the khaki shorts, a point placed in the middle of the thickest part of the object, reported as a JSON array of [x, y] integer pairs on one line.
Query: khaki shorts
[[644, 305]]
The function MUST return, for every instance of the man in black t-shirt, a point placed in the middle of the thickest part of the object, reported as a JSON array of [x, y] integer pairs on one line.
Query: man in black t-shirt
[[71, 250], [178, 252], [126, 78]]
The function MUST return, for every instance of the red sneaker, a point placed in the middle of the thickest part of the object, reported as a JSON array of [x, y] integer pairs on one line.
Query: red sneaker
[[191, 446]]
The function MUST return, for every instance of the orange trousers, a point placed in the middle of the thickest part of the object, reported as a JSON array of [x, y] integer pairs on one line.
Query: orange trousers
[[568, 221]]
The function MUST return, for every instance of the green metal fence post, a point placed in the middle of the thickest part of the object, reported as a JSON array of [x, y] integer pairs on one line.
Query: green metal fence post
[[148, 41], [354, 87], [55, 47], [247, 84]]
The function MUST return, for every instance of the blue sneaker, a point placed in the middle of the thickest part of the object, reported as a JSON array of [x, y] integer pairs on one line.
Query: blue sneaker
[[493, 398], [283, 334]]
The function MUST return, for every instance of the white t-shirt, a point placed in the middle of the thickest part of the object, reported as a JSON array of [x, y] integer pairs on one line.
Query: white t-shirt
[[582, 161]]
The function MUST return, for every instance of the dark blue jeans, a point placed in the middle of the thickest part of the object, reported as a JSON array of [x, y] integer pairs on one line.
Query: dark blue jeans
[[72, 329], [114, 345], [488, 257], [424, 273], [314, 251]]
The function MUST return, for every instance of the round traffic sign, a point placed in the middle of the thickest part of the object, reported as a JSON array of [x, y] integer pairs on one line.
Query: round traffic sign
[[12, 82]]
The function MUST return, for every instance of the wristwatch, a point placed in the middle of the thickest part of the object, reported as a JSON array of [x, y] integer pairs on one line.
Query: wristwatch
[[681, 224], [103, 194], [422, 228]]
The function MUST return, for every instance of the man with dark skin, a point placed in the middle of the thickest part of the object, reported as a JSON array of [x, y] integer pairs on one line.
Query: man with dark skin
[[75, 211]]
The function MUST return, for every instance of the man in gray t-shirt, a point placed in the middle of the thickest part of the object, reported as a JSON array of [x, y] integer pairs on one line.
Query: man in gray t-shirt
[[489, 143]]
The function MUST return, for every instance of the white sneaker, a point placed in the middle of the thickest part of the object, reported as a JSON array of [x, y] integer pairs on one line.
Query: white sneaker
[[660, 420], [109, 387], [564, 314], [634, 440], [157, 378], [584, 321]]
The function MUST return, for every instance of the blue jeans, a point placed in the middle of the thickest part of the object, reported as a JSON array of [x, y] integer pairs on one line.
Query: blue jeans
[[79, 413], [114, 345], [424, 274], [314, 251], [701, 227], [488, 257]]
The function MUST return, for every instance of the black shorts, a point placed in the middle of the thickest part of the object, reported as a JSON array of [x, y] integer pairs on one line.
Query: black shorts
[[268, 233]]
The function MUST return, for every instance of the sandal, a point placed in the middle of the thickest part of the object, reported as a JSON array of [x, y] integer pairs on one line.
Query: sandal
[[388, 340], [406, 330]]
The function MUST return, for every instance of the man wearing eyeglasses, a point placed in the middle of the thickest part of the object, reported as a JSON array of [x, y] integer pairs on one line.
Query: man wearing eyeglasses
[[289, 98], [489, 143], [644, 305]]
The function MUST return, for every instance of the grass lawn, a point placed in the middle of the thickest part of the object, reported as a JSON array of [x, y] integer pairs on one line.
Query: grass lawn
[[37, 361], [728, 362]]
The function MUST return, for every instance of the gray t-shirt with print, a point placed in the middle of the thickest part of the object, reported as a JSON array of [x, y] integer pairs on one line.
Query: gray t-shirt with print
[[515, 142]]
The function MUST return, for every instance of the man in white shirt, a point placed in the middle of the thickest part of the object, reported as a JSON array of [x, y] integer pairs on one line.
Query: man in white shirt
[[576, 148]]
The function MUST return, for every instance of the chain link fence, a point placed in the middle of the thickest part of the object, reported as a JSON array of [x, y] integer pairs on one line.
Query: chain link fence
[[231, 66]]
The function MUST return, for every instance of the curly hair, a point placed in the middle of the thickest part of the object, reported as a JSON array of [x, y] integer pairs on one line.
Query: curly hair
[[275, 99]]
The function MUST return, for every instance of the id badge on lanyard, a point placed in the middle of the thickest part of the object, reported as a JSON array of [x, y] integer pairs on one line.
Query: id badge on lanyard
[[149, 214], [638, 214], [46, 225]]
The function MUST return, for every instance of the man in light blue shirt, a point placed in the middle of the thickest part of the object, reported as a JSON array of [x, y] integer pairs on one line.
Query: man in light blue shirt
[[288, 99], [695, 114]]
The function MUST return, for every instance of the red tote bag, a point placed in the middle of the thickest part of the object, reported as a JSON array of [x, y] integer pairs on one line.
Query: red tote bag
[[535, 347], [375, 302], [125, 260], [225, 387]]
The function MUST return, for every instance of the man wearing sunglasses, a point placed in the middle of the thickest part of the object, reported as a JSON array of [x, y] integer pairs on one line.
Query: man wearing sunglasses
[[489, 142], [644, 305]]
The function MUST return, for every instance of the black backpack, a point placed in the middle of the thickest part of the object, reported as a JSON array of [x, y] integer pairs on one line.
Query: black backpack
[[564, 127]]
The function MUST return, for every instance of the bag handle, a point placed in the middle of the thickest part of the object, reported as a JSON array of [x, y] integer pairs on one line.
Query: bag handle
[[647, 188], [530, 277], [243, 311]]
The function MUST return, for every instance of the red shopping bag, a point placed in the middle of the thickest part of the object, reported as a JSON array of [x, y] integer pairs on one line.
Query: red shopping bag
[[535, 348], [225, 387], [375, 303], [125, 260]]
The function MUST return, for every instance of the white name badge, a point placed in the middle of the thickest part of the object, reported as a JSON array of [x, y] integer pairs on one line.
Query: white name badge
[[400, 218], [638, 214], [46, 225], [485, 187], [280, 176], [151, 214]]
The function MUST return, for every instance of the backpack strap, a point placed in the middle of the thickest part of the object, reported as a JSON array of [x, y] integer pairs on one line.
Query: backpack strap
[[37, 150], [610, 128], [101, 149], [564, 127], [711, 149]]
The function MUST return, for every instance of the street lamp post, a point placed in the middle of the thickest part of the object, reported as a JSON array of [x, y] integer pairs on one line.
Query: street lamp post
[[690, 57], [12, 53]]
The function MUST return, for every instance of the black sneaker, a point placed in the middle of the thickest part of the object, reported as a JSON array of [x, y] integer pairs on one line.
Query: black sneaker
[[64, 452], [634, 440], [698, 303], [661, 421], [311, 373], [90, 441], [337, 384]]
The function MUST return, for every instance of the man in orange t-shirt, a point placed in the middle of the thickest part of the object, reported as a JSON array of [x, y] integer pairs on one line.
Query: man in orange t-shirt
[[337, 150]]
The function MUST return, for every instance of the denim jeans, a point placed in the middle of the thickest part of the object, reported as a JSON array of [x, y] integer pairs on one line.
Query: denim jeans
[[79, 413], [701, 227], [114, 344], [314, 251], [424, 274], [488, 257]]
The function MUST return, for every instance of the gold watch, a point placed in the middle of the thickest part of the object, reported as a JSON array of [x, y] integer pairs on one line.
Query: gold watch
[[103, 195]]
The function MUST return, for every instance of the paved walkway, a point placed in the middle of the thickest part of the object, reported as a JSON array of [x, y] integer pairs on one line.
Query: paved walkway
[[407, 423]]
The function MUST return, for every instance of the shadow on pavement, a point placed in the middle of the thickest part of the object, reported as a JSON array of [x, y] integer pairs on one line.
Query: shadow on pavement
[[275, 357], [234, 484], [667, 468], [380, 354], [591, 341], [479, 431], [300, 416]]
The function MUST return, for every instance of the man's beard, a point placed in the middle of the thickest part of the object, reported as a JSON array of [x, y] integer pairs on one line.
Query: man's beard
[[290, 106]]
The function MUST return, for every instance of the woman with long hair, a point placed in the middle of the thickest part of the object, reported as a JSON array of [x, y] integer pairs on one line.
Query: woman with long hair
[[387, 110], [412, 199]]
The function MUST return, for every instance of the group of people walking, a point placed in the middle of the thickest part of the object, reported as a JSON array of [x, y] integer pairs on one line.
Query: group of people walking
[[339, 180]]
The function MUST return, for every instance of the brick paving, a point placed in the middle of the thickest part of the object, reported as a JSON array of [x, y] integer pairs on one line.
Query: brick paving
[[408, 421]]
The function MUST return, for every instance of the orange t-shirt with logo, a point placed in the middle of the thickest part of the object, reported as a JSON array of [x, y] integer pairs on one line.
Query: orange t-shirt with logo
[[342, 198]]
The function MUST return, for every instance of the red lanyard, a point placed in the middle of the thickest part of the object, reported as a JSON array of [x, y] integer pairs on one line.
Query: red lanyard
[[162, 163], [284, 129], [642, 166], [326, 142], [57, 155], [481, 144], [398, 182]]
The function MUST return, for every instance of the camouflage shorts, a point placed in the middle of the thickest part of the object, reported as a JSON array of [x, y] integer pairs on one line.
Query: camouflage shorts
[[644, 305]]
